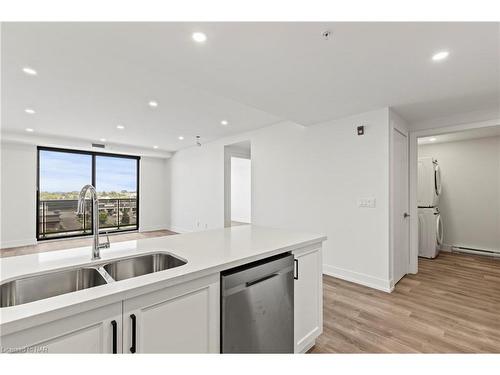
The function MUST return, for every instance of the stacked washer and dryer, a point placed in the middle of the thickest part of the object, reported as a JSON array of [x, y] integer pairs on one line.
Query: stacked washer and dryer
[[430, 227]]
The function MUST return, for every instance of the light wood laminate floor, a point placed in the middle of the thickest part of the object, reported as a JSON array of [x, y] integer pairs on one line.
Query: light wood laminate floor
[[69, 243], [451, 306]]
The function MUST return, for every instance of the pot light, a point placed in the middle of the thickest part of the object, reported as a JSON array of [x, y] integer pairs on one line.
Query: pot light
[[29, 71], [432, 139], [30, 111], [199, 37], [181, 138], [224, 122], [153, 103], [440, 55], [29, 130], [121, 127], [102, 139], [155, 147]]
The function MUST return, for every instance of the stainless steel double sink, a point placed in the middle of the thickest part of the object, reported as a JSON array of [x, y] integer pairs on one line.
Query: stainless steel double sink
[[33, 288]]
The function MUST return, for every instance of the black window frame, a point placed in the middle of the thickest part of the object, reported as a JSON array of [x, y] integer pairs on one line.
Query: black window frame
[[93, 166]]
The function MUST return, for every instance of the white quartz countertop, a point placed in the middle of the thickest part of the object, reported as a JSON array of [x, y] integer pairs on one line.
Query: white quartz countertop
[[205, 252]]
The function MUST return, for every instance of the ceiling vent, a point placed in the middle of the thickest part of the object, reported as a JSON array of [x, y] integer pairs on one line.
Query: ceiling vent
[[98, 145]]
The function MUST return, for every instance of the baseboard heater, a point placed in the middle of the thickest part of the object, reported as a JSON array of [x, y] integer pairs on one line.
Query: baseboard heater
[[469, 250]]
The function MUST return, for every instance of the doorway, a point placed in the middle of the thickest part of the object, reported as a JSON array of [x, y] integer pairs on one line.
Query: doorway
[[454, 131], [458, 193], [237, 184]]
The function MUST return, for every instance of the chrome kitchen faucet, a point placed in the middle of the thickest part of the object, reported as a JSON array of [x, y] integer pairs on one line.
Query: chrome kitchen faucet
[[96, 245]]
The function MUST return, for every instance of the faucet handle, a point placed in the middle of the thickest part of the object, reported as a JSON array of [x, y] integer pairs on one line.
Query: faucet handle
[[106, 244], [107, 239]]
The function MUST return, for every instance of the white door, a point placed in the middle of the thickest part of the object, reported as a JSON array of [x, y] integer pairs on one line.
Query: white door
[[308, 303], [401, 244]]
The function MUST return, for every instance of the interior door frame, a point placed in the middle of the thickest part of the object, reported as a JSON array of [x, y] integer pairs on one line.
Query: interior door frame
[[413, 158], [229, 152]]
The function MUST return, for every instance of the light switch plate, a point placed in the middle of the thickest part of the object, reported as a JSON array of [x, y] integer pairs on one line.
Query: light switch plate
[[366, 202]]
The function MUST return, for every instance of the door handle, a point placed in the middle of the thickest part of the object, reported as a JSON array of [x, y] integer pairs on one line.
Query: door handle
[[134, 329], [296, 271], [115, 346], [406, 214]]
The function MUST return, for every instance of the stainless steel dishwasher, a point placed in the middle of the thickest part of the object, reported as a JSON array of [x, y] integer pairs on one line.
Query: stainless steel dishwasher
[[257, 307]]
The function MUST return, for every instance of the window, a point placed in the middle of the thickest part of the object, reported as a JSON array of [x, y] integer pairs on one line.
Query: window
[[62, 174]]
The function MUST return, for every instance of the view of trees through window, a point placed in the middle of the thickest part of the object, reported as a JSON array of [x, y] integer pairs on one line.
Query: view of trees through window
[[62, 174]]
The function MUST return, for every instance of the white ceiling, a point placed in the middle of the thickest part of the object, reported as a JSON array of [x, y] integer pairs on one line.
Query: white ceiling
[[491, 131], [93, 76]]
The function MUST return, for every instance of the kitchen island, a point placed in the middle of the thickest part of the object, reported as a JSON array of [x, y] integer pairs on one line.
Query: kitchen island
[[176, 310]]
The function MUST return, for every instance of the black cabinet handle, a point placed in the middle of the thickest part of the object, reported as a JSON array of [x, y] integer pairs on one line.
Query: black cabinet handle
[[113, 324], [134, 327], [296, 273]]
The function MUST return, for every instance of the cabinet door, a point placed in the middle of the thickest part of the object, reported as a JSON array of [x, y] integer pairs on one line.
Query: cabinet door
[[308, 303], [178, 319], [94, 331]]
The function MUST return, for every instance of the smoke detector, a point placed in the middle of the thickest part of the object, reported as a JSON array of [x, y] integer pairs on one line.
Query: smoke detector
[[327, 34]]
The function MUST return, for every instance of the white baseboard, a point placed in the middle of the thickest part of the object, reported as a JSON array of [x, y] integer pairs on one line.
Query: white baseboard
[[177, 229], [359, 278], [17, 243], [151, 228]]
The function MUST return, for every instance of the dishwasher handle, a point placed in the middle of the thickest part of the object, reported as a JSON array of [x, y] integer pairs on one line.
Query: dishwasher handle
[[250, 283]]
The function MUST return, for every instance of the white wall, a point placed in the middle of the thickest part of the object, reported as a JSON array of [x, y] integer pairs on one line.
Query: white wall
[[241, 191], [470, 202], [18, 195], [154, 194], [306, 179]]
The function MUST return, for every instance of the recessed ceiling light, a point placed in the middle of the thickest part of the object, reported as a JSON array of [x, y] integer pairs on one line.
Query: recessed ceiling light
[[440, 55], [432, 139], [181, 137], [29, 130], [199, 37], [153, 103], [224, 122], [29, 111], [102, 139], [155, 147], [29, 71], [121, 127]]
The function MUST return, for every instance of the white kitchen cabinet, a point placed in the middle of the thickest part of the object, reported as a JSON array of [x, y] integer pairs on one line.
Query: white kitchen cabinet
[[183, 318], [180, 319], [308, 297], [94, 331]]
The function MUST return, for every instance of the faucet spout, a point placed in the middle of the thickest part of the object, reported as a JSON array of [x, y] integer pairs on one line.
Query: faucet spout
[[96, 245]]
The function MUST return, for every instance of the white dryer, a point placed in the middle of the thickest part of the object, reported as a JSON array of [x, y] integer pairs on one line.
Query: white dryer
[[429, 182], [430, 232]]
